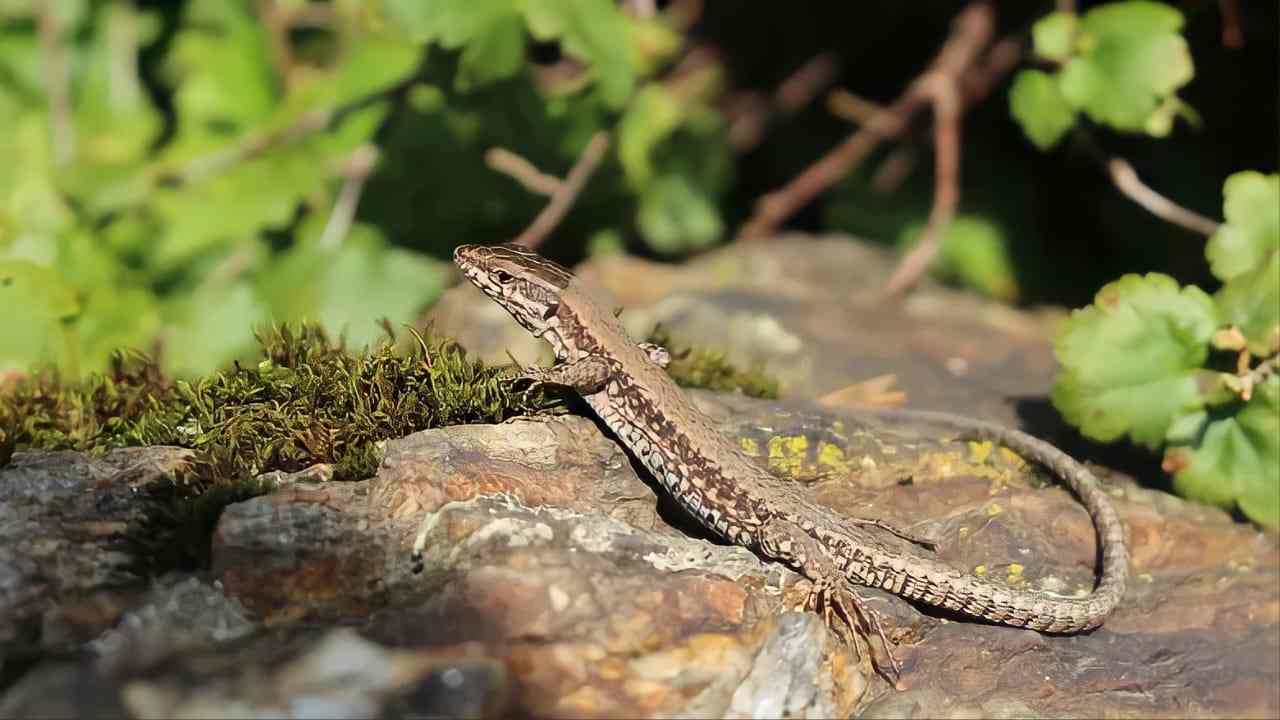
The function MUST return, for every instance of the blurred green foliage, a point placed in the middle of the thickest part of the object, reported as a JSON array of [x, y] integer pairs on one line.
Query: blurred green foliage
[[180, 173], [1120, 64]]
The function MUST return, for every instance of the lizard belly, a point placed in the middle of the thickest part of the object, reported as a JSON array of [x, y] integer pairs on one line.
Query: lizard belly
[[655, 445]]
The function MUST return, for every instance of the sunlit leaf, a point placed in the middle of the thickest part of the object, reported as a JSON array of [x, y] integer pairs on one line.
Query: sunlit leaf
[[595, 32], [1131, 361], [1232, 456], [1251, 204], [38, 327], [349, 288], [1251, 302], [1132, 60], [1054, 35], [1037, 105]]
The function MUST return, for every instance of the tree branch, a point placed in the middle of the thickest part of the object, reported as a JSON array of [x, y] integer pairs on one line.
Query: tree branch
[[563, 199], [970, 33], [946, 189], [57, 80], [1126, 180], [522, 171]]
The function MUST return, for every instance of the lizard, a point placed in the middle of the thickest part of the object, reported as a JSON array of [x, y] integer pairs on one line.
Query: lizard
[[739, 499]]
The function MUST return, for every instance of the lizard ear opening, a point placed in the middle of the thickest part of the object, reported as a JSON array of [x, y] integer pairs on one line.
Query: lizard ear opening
[[551, 311]]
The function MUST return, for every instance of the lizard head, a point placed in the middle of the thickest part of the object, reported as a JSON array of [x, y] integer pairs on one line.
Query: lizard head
[[525, 284]]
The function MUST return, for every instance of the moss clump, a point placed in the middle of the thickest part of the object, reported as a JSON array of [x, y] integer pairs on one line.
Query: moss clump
[[8, 433], [308, 401], [711, 369]]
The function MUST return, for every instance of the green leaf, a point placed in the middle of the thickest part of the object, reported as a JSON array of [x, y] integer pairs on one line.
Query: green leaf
[[1251, 204], [350, 288], [1134, 18], [1232, 457], [1034, 101], [211, 327], [1132, 61], [452, 23], [676, 216], [651, 117], [221, 66], [115, 122], [371, 64], [38, 327], [594, 31], [1251, 301], [495, 54], [1054, 36], [1131, 361], [975, 253]]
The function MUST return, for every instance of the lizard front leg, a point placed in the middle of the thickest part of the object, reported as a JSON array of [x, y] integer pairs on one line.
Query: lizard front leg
[[586, 375]]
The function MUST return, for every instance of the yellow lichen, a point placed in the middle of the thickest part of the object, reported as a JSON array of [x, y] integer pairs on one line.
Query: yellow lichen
[[749, 446], [787, 453], [832, 457]]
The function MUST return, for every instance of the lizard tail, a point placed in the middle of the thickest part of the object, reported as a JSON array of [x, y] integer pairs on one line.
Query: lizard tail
[[997, 603]]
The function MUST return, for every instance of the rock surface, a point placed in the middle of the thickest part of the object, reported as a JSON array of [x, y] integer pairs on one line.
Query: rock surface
[[558, 582]]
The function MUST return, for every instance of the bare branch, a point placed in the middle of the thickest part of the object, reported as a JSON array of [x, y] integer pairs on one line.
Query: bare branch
[[1232, 29], [800, 87], [946, 190], [522, 171], [277, 21], [57, 80], [355, 171], [971, 32], [563, 199], [1127, 181], [750, 112], [250, 148]]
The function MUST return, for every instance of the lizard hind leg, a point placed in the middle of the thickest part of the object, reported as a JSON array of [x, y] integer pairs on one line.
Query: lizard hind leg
[[851, 618], [845, 612]]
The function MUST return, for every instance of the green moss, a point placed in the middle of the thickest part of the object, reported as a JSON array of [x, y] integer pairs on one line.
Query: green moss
[[309, 400], [711, 369]]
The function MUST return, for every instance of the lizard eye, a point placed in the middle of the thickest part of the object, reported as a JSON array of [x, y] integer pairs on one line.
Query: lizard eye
[[503, 276]]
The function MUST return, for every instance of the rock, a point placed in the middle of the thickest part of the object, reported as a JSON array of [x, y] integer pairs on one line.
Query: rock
[[67, 568], [557, 581]]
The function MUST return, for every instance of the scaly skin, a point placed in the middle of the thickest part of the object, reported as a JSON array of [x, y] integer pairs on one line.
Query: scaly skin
[[732, 494]]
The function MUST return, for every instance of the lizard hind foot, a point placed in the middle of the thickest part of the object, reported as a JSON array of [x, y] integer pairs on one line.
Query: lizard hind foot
[[852, 619]]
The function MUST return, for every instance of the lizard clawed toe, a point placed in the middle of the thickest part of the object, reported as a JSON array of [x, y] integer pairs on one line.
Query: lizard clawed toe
[[849, 616]]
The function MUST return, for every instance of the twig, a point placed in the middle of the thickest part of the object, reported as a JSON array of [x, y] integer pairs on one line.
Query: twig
[[946, 188], [750, 113], [277, 20], [1127, 181], [852, 108], [976, 84], [562, 200], [522, 171], [57, 81], [1232, 30], [355, 171], [253, 146], [641, 8], [1258, 375], [970, 33], [800, 87]]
